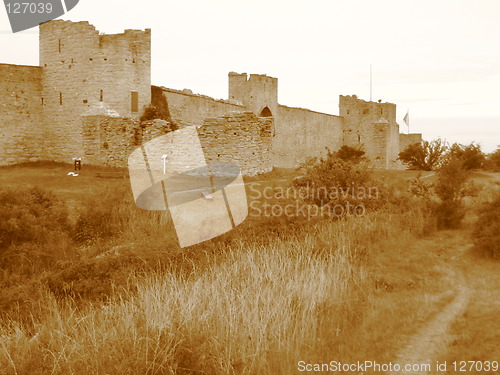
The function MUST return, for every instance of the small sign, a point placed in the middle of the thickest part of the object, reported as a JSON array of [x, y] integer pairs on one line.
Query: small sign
[[78, 163]]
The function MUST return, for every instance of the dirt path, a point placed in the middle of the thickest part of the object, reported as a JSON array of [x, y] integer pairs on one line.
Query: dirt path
[[433, 338]]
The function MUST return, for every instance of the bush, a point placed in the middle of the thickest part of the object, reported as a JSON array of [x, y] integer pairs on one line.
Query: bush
[[444, 198], [486, 233], [103, 216], [94, 279], [31, 215], [333, 181], [471, 155], [34, 230], [451, 187], [350, 154], [152, 113], [424, 156], [493, 160]]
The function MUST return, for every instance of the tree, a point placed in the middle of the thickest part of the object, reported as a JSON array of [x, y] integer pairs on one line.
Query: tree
[[444, 198], [493, 160], [425, 155], [471, 155], [486, 233], [451, 187]]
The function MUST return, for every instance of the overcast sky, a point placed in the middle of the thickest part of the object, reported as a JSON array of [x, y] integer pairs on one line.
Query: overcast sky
[[438, 59]]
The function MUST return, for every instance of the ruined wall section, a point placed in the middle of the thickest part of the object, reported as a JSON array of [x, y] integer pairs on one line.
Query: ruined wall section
[[305, 134], [21, 124], [243, 139], [82, 71], [110, 140], [239, 138], [187, 108]]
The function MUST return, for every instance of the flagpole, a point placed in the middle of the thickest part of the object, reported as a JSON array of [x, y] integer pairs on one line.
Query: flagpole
[[370, 82]]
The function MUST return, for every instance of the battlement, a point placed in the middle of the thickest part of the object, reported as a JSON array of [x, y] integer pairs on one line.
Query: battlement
[[262, 78], [67, 24], [350, 106], [62, 40], [252, 78], [353, 100]]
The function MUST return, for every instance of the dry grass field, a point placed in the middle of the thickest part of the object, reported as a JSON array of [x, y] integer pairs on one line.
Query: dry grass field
[[475, 335], [109, 291]]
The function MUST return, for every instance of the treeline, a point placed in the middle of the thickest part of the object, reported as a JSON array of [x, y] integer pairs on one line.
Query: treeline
[[430, 155]]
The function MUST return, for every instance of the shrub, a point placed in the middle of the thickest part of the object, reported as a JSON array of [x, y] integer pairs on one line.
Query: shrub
[[350, 154], [94, 279], [471, 155], [486, 233], [34, 230], [152, 112], [31, 215], [424, 156], [451, 187], [103, 216], [334, 181], [444, 198], [493, 160]]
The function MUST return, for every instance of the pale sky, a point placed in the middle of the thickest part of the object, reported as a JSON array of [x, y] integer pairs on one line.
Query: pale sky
[[439, 59]]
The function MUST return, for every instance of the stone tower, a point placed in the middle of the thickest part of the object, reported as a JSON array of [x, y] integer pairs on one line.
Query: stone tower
[[371, 126], [258, 92], [85, 72]]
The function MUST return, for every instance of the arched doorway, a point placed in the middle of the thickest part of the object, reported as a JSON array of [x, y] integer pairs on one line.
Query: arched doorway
[[266, 112]]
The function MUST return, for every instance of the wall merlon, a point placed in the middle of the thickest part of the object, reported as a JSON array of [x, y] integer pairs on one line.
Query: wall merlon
[[234, 74], [262, 77]]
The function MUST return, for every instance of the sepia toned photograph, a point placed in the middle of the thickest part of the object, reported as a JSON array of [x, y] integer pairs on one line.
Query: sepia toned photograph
[[249, 187]]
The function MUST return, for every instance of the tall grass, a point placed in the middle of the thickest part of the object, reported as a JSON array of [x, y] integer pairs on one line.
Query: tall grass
[[257, 300], [255, 309], [259, 310]]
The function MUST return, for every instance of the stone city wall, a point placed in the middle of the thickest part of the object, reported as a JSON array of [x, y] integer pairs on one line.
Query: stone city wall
[[302, 134], [187, 108], [243, 139], [239, 138], [21, 120]]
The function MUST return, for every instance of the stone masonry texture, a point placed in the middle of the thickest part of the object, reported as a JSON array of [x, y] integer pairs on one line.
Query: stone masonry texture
[[88, 94]]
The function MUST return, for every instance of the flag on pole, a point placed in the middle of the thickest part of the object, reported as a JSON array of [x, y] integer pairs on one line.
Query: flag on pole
[[406, 119]]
